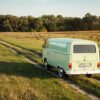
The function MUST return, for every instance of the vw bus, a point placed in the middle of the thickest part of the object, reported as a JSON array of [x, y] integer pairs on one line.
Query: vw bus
[[71, 56]]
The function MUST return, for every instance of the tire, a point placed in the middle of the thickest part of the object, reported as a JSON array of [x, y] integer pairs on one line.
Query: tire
[[60, 72], [66, 75], [89, 75], [46, 65]]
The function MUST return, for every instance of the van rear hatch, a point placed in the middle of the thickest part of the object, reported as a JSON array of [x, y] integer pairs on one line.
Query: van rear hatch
[[84, 58]]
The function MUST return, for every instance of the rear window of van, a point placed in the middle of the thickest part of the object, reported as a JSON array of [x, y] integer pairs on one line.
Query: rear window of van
[[84, 49]]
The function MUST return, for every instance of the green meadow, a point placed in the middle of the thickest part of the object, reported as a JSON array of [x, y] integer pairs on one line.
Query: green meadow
[[20, 80]]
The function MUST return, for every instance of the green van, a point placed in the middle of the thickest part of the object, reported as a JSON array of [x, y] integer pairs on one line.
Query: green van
[[71, 56]]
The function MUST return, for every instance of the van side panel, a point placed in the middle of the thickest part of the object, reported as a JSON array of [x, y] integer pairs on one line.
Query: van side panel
[[61, 59], [57, 56], [54, 50]]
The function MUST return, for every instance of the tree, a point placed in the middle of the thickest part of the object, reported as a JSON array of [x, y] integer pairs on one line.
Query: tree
[[88, 21], [38, 24], [31, 23], [49, 23], [68, 24], [23, 24], [60, 23], [7, 26]]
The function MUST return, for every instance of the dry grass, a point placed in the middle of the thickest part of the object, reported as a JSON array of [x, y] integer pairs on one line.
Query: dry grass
[[34, 42], [20, 80]]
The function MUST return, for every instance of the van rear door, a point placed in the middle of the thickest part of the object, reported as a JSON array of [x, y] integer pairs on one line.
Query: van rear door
[[85, 57]]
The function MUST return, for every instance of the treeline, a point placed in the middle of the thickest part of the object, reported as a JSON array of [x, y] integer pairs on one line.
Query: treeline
[[48, 23]]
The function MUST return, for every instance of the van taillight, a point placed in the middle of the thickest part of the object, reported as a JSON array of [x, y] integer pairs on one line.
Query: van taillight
[[70, 65], [98, 64]]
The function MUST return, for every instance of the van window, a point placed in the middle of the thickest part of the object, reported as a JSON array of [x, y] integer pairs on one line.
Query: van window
[[58, 46], [84, 49]]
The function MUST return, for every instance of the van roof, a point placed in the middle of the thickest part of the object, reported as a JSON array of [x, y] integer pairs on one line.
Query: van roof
[[68, 40]]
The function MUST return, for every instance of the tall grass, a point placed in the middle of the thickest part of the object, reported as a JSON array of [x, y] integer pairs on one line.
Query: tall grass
[[35, 41], [20, 80]]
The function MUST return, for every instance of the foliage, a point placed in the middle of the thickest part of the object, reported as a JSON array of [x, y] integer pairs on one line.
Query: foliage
[[48, 23]]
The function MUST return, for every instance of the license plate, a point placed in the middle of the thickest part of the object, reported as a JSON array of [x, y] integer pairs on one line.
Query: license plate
[[83, 65]]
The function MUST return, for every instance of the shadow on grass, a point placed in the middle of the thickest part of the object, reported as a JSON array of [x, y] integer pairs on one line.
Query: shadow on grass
[[23, 69]]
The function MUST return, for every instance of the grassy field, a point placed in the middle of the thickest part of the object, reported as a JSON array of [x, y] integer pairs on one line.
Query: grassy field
[[20, 80], [34, 41], [29, 81]]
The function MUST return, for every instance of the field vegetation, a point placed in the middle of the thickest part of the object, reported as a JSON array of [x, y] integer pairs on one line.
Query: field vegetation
[[20, 80], [28, 81]]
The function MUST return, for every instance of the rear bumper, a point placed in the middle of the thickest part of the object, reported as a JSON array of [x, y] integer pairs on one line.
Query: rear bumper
[[83, 72]]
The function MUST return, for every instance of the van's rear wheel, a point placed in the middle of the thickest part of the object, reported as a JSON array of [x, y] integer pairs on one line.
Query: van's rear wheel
[[46, 65], [60, 72], [89, 75]]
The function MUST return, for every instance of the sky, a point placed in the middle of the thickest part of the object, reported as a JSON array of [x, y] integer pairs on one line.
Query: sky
[[36, 8]]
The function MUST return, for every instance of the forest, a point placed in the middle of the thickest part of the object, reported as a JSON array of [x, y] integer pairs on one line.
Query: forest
[[48, 23]]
